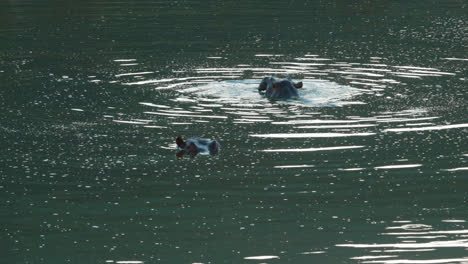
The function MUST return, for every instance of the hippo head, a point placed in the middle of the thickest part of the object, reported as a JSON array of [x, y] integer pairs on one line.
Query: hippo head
[[279, 89], [194, 146]]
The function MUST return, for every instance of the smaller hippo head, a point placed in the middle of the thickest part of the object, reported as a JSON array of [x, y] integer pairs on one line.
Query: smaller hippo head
[[279, 89], [193, 146]]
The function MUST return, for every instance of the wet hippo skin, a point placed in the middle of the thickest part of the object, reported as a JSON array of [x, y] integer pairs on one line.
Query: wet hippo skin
[[279, 88]]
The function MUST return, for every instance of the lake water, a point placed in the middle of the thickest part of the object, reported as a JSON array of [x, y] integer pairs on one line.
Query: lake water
[[370, 165]]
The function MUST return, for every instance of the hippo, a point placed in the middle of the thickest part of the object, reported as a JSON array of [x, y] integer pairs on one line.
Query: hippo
[[193, 146], [279, 89]]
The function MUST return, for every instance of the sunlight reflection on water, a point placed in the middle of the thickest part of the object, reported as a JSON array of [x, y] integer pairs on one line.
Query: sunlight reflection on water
[[230, 84], [214, 95], [369, 165], [316, 138], [441, 239]]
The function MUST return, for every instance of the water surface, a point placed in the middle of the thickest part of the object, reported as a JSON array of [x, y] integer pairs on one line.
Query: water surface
[[369, 165]]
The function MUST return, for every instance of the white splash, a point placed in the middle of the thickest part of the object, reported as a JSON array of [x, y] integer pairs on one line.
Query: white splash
[[314, 93]]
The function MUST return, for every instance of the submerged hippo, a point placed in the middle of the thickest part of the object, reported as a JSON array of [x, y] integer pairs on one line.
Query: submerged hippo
[[193, 146], [279, 89]]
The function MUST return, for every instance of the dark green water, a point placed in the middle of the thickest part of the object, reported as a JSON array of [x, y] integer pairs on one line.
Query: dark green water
[[369, 166]]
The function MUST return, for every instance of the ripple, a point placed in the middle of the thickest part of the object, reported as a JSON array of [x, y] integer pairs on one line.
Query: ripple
[[433, 72], [130, 122], [293, 166], [269, 55], [455, 59], [428, 232], [421, 237], [415, 68], [315, 121], [393, 120], [439, 239], [412, 129], [456, 169], [359, 73], [402, 166], [261, 257], [433, 244], [404, 250], [352, 169], [183, 115], [339, 126], [411, 227], [133, 73], [154, 105], [228, 85], [413, 261], [374, 257], [312, 149], [314, 93], [454, 221], [311, 135], [252, 120], [124, 60], [313, 252]]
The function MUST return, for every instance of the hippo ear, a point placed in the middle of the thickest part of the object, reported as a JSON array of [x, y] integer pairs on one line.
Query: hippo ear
[[298, 85], [180, 142], [213, 146], [264, 84]]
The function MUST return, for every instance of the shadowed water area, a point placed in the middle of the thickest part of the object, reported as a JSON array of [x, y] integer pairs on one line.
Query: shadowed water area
[[369, 165]]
